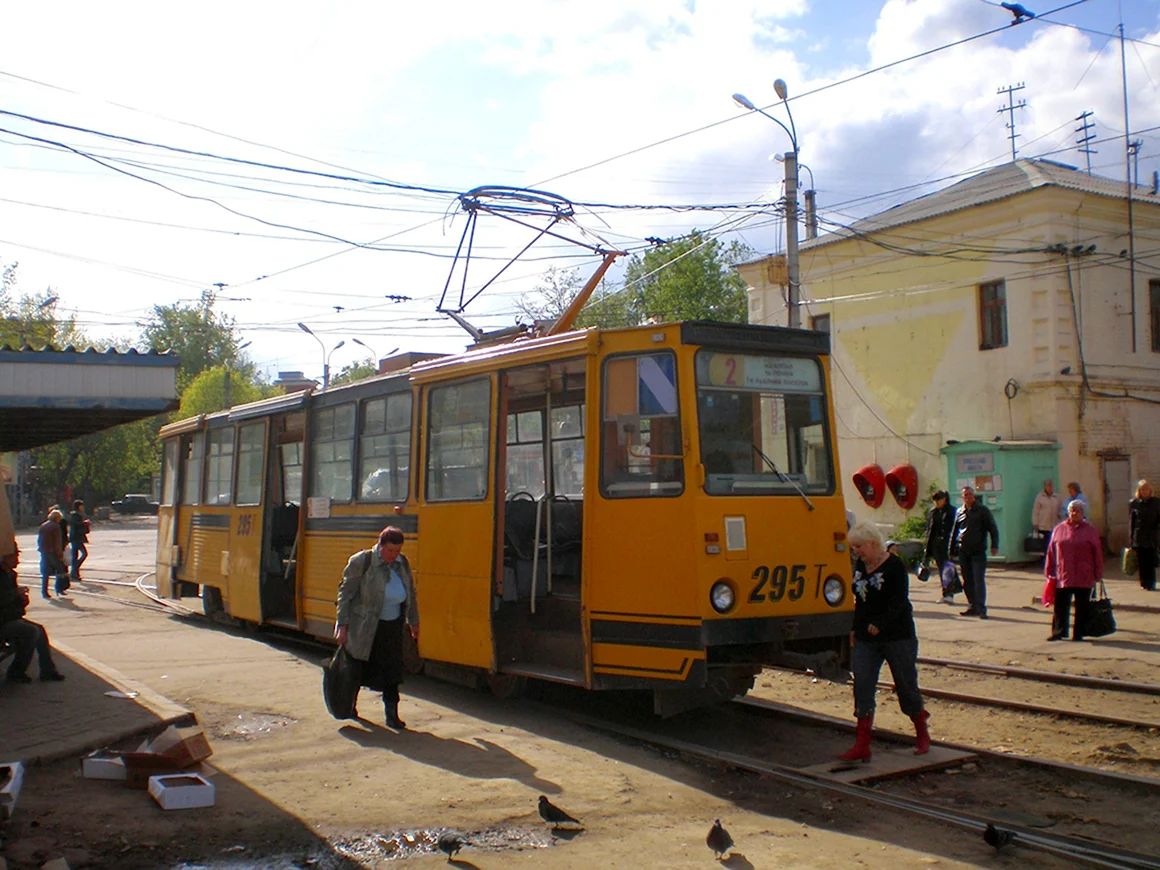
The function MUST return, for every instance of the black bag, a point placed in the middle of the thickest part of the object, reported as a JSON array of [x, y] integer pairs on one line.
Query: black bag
[[341, 678], [923, 573], [1034, 545], [1100, 620]]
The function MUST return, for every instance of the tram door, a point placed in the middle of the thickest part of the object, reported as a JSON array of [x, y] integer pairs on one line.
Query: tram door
[[281, 532], [537, 615], [456, 520]]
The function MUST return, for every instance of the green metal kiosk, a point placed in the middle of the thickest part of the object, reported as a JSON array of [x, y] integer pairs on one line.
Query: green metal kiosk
[[1006, 476]]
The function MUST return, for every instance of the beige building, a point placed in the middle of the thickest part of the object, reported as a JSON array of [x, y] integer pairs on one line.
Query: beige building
[[999, 307]]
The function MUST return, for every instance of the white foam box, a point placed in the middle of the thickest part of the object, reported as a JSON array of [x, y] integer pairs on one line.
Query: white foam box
[[97, 765], [181, 791], [11, 778]]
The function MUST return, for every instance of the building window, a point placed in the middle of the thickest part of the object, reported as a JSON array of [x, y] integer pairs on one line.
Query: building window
[[1154, 307], [820, 323], [992, 315]]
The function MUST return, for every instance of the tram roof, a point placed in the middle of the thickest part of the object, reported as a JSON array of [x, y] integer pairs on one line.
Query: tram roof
[[52, 395]]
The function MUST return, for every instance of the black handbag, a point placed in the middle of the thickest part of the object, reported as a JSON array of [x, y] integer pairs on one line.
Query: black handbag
[[1034, 545], [341, 678], [1100, 621]]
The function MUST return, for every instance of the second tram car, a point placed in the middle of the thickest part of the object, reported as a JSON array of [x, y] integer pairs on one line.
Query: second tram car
[[656, 507]]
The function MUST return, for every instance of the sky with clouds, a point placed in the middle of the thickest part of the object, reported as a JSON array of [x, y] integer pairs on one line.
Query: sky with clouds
[[388, 110]]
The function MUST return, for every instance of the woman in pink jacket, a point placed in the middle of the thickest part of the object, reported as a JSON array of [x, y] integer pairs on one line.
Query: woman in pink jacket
[[1075, 563]]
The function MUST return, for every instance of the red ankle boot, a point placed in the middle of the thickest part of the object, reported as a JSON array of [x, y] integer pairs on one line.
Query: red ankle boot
[[921, 733], [861, 750]]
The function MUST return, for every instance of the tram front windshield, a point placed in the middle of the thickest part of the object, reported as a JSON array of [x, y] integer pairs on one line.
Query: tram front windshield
[[762, 422]]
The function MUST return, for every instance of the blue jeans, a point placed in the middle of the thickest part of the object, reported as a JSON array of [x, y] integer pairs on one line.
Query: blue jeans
[[79, 553], [866, 663], [974, 570]]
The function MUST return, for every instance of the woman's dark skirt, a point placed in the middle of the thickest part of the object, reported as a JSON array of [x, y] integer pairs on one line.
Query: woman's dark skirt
[[385, 665]]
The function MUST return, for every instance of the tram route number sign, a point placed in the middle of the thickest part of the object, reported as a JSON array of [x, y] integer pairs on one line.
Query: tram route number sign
[[783, 581], [780, 374]]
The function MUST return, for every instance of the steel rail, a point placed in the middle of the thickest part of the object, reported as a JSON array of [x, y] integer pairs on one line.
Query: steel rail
[[1023, 706], [773, 708], [1045, 676], [1100, 855]]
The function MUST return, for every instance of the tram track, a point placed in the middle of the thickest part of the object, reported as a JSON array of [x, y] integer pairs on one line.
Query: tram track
[[694, 745]]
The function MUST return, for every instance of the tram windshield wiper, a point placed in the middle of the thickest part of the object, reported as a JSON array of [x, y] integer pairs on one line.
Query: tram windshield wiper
[[784, 477]]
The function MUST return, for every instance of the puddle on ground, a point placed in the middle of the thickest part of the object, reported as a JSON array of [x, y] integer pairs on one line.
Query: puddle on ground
[[405, 844], [370, 848], [247, 726]]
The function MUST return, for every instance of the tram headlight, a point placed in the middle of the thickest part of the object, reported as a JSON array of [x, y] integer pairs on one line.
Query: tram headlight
[[721, 596], [834, 590]]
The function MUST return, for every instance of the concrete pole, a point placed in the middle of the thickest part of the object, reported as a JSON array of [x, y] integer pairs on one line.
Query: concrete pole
[[791, 239], [811, 198]]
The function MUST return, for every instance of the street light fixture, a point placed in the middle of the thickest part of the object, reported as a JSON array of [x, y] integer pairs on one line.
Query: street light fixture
[[791, 186], [325, 355]]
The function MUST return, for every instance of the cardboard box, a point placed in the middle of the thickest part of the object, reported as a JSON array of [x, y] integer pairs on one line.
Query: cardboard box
[[11, 779], [98, 765], [181, 791], [186, 746], [140, 766]]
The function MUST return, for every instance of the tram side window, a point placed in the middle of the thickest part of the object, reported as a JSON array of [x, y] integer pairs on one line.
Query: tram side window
[[525, 453], [169, 472], [251, 455], [459, 419], [568, 451], [385, 448], [292, 472], [219, 466], [192, 447], [641, 427], [332, 454]]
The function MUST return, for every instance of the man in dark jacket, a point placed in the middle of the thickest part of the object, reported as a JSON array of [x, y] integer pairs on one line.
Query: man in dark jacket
[[25, 636], [973, 522], [938, 537], [78, 536]]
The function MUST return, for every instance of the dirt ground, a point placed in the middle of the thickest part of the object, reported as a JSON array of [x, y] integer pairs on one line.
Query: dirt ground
[[295, 788]]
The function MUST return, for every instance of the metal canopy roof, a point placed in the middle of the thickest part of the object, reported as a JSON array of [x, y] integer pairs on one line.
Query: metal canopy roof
[[53, 395]]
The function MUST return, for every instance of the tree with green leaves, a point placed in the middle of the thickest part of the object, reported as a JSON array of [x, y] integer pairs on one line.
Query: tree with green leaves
[[690, 278], [215, 389], [32, 319], [355, 371], [199, 335], [605, 308]]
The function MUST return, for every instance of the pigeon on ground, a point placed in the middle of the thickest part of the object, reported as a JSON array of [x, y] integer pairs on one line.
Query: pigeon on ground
[[450, 843], [997, 837], [553, 815], [718, 840]]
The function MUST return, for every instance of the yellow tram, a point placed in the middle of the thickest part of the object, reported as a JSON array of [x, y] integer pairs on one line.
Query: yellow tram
[[656, 507]]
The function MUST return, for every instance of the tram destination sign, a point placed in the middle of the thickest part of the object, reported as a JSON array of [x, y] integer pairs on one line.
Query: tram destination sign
[[782, 374]]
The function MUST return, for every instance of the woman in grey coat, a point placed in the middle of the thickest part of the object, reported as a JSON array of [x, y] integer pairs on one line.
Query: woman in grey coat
[[376, 598]]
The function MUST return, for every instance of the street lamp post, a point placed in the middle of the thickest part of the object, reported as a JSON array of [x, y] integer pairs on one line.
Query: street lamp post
[[325, 355], [791, 186]]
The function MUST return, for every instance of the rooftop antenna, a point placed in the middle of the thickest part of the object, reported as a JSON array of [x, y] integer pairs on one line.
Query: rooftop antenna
[[1082, 142], [1010, 110]]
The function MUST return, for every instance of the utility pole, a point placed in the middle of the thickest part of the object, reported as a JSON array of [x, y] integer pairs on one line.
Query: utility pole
[[1010, 110], [793, 267], [1128, 180], [1134, 149], [1085, 128]]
